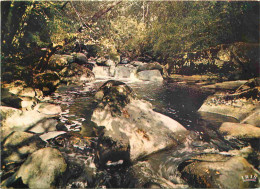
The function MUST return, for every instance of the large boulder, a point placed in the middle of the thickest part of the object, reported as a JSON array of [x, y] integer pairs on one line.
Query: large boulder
[[246, 55], [24, 122], [42, 169], [58, 62], [239, 130], [48, 109], [253, 118], [219, 171], [43, 126], [78, 74], [150, 66], [47, 81], [10, 99], [81, 58], [132, 124], [6, 112], [19, 145], [238, 104]]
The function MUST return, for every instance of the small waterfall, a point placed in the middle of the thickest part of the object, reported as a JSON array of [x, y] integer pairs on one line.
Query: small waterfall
[[124, 72], [101, 71]]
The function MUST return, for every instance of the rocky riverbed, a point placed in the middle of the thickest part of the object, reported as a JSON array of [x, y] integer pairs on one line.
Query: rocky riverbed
[[185, 131]]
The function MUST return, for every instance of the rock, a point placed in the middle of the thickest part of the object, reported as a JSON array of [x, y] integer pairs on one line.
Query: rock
[[78, 74], [253, 118], [23, 91], [224, 55], [227, 85], [6, 112], [150, 66], [47, 81], [28, 103], [219, 171], [44, 126], [124, 60], [138, 63], [150, 75], [236, 105], [239, 130], [58, 62], [49, 109], [23, 122], [219, 63], [101, 61], [10, 99], [51, 135], [19, 145], [246, 55], [77, 151], [42, 169], [81, 58], [132, 123]]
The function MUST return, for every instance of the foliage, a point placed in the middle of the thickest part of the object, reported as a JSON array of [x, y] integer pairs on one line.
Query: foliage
[[33, 30]]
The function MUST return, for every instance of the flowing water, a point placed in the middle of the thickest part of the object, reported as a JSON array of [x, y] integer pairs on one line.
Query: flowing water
[[178, 101]]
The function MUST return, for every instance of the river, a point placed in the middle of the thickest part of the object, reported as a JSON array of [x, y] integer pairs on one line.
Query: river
[[176, 100]]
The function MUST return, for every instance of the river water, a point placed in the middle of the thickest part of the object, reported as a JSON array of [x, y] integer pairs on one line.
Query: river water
[[178, 101]]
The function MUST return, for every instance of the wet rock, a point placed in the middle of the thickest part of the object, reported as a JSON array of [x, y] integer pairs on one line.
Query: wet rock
[[6, 112], [49, 109], [47, 81], [219, 171], [147, 177], [18, 146], [42, 169], [78, 153], [150, 75], [240, 131], [132, 124]]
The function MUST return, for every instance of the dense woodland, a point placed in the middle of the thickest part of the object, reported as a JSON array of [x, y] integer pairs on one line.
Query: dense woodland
[[32, 31]]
